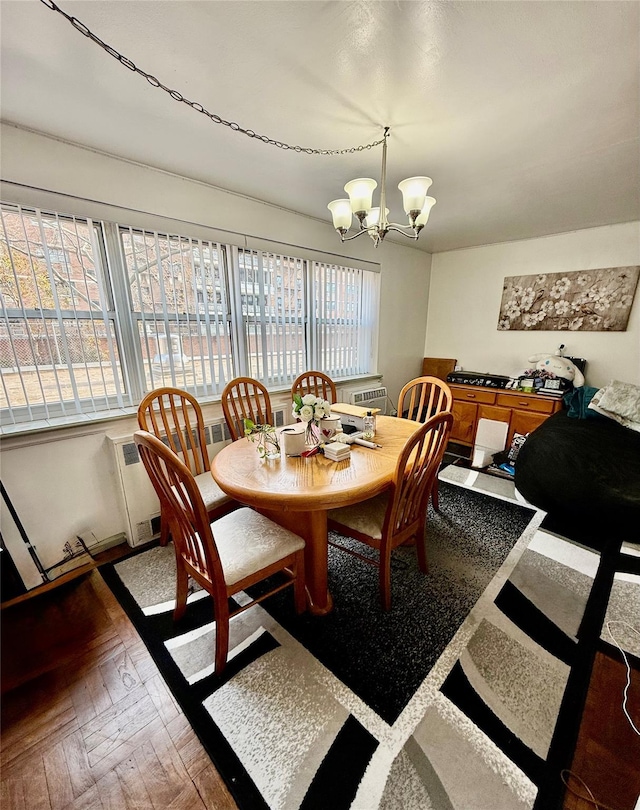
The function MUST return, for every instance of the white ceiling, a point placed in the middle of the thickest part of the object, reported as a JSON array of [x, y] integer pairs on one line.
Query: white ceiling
[[525, 114]]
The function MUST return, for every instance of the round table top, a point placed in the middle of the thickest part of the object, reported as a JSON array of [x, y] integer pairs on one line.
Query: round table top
[[312, 483]]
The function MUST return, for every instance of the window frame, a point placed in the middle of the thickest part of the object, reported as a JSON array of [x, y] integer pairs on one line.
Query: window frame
[[123, 321]]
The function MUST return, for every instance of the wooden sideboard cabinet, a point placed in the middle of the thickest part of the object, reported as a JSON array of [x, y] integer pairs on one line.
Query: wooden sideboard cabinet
[[523, 412]]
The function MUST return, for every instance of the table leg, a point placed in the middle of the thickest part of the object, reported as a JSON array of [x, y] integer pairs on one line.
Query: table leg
[[312, 526]]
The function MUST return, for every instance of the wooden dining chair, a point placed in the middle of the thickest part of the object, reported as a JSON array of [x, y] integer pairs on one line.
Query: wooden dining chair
[[225, 556], [317, 383], [245, 398], [175, 417], [399, 514], [420, 399]]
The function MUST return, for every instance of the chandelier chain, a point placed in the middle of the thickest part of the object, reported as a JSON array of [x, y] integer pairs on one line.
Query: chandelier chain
[[177, 96]]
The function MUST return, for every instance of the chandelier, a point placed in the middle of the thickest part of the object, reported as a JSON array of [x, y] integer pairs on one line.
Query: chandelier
[[417, 205]]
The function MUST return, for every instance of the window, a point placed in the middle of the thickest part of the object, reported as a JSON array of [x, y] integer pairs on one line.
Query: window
[[183, 337], [344, 318], [271, 290], [59, 352], [93, 315]]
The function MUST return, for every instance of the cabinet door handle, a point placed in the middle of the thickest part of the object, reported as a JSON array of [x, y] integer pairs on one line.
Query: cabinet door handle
[[471, 396], [524, 404]]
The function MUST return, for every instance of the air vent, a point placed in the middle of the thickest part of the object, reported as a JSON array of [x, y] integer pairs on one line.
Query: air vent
[[366, 396]]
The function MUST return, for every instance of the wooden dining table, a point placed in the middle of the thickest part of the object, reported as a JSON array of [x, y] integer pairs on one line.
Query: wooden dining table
[[297, 492]]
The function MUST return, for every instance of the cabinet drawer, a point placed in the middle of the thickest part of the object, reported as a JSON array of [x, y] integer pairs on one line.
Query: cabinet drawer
[[521, 403], [471, 395]]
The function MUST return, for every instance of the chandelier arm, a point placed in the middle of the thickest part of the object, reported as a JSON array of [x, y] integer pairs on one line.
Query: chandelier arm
[[176, 95], [392, 226], [358, 233]]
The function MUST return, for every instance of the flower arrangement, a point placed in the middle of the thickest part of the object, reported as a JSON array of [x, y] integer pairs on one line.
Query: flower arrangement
[[264, 436], [311, 409]]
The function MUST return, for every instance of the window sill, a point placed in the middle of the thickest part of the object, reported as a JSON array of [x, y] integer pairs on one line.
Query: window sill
[[71, 424]]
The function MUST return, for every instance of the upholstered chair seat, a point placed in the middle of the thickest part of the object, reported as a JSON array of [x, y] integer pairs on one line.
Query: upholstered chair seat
[[398, 515], [269, 543], [224, 556], [212, 495], [366, 518]]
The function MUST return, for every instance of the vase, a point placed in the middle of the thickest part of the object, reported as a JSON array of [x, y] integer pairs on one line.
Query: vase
[[268, 444], [312, 434]]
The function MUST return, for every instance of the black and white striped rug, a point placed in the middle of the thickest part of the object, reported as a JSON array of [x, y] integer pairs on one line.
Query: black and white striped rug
[[452, 700]]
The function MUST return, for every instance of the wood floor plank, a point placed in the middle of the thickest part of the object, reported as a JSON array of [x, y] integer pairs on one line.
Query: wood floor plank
[[113, 711], [162, 698], [213, 790], [11, 793], [189, 747], [14, 757], [80, 694], [119, 729], [34, 785], [58, 778], [90, 800], [78, 763], [142, 661], [189, 799], [133, 786], [125, 750], [161, 782], [111, 793], [119, 676], [29, 712], [98, 690], [125, 628], [97, 682]]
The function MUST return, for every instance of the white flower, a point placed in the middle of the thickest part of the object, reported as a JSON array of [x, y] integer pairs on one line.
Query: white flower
[[309, 399], [318, 411], [504, 324], [528, 297], [562, 307], [306, 412]]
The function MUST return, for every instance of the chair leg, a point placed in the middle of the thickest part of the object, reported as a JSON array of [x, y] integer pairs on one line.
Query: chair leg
[[421, 551], [385, 578], [182, 589], [221, 616], [299, 594], [165, 529], [434, 495]]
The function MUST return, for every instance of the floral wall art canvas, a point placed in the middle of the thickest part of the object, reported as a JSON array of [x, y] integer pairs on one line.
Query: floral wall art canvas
[[582, 301]]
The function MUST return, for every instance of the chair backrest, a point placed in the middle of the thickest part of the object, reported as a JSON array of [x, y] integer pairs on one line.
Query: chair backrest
[[245, 398], [415, 474], [175, 486], [176, 417], [424, 397], [317, 383]]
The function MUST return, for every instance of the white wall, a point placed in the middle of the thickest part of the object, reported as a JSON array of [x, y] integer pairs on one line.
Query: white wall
[[63, 482], [466, 290]]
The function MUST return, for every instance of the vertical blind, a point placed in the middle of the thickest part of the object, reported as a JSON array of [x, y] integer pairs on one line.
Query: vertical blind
[[86, 327], [59, 349], [179, 306]]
